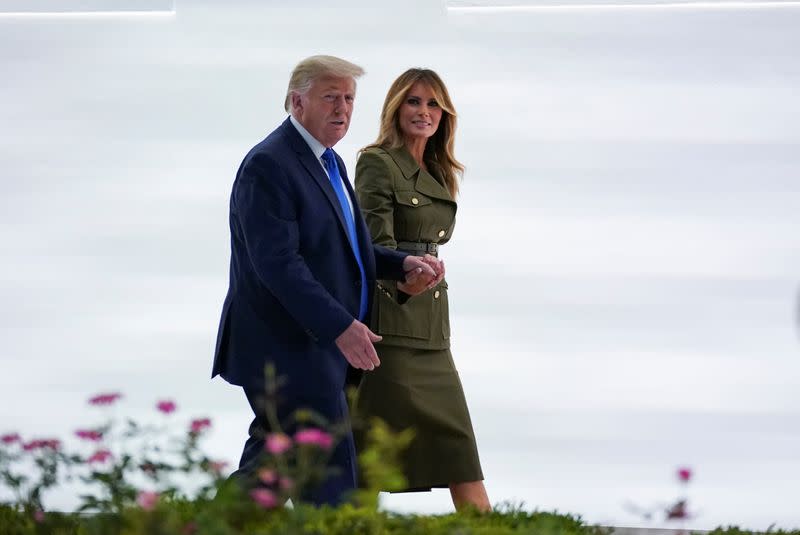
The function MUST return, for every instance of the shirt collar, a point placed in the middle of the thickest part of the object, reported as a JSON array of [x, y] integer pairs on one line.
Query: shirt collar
[[316, 147]]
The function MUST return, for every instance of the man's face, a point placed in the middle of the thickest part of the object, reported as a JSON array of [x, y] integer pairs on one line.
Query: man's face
[[325, 109]]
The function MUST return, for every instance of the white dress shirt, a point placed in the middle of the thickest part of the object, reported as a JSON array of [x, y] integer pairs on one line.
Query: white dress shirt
[[318, 148]]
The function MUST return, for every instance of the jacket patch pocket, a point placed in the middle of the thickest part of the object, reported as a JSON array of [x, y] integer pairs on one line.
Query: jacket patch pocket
[[440, 294], [411, 319]]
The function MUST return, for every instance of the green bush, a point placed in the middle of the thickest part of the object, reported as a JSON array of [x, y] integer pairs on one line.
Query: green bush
[[177, 517], [136, 479], [184, 518]]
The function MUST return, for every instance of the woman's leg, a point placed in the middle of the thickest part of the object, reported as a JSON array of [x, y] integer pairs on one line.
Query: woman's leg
[[470, 493]]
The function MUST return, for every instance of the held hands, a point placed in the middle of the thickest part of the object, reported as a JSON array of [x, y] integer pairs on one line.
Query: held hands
[[422, 273], [355, 343]]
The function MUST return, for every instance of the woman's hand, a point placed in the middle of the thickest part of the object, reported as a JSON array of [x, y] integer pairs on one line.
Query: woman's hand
[[427, 271]]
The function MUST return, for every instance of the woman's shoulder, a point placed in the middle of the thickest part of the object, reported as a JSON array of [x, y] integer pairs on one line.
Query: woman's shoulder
[[375, 169], [373, 152], [376, 157]]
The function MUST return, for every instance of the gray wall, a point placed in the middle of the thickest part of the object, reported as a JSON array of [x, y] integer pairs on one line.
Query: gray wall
[[624, 271]]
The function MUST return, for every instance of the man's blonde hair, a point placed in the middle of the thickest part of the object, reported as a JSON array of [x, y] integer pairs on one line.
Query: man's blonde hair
[[315, 67]]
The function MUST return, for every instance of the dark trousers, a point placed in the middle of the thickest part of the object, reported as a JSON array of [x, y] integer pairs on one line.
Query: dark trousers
[[333, 490]]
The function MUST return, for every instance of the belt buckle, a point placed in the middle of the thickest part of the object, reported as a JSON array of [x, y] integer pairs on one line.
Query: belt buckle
[[433, 248]]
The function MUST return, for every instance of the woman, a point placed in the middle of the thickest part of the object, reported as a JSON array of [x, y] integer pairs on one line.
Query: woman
[[406, 183]]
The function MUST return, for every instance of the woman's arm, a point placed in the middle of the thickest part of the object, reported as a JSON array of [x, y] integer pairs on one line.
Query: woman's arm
[[375, 192]]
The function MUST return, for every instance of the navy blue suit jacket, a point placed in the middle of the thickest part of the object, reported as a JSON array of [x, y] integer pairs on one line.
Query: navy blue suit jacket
[[294, 281]]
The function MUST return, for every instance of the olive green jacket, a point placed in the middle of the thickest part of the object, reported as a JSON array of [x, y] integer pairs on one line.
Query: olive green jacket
[[402, 202]]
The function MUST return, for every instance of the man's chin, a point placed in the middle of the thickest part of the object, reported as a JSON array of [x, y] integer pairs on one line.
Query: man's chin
[[335, 137]]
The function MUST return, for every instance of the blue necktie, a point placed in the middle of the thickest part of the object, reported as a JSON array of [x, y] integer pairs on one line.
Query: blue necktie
[[336, 181]]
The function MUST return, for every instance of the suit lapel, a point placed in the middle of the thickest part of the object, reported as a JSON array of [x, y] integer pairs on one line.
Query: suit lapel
[[314, 168]]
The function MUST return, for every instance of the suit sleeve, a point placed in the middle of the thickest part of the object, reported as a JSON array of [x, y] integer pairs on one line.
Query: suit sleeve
[[389, 263], [267, 218], [373, 185]]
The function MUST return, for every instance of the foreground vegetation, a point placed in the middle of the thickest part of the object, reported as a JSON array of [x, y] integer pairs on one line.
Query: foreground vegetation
[[178, 517], [184, 518], [134, 479]]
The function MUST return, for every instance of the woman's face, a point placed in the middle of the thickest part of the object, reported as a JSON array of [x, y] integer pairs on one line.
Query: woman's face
[[419, 115]]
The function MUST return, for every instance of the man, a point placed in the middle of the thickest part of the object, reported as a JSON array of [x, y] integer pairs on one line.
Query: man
[[302, 269]]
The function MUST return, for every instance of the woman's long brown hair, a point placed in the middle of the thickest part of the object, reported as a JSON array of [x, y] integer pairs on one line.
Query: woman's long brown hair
[[439, 150]]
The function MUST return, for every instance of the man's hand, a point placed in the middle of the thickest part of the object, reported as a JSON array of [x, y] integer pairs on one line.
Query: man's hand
[[355, 343], [425, 273]]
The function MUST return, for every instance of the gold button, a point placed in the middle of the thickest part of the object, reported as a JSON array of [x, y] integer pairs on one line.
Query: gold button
[[436, 294], [442, 233], [414, 200]]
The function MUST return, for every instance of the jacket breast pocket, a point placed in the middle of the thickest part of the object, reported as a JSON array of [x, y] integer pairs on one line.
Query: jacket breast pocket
[[413, 216], [412, 198]]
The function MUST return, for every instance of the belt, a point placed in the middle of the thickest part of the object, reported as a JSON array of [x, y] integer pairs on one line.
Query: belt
[[418, 248]]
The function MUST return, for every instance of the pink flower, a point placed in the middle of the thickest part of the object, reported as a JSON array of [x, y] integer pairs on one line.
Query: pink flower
[[105, 399], [147, 500], [88, 434], [684, 474], [166, 406], [10, 438], [189, 529], [286, 483], [199, 424], [314, 437], [267, 476], [217, 466], [40, 444], [278, 443], [265, 498], [100, 456], [38, 516]]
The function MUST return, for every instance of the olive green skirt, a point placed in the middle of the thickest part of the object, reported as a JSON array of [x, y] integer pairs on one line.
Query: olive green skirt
[[420, 389]]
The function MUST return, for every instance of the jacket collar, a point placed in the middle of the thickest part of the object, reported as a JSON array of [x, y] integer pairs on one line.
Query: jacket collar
[[425, 182], [407, 164]]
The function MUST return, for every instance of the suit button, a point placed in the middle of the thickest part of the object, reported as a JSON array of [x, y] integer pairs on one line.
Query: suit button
[[436, 294], [414, 201], [442, 233]]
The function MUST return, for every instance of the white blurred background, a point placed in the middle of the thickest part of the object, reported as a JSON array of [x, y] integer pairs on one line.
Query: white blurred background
[[625, 268]]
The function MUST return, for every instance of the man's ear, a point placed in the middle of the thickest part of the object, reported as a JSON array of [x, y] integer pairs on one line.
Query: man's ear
[[297, 102]]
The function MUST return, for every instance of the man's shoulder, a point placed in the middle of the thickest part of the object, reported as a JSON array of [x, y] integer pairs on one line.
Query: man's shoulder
[[276, 143], [275, 148]]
